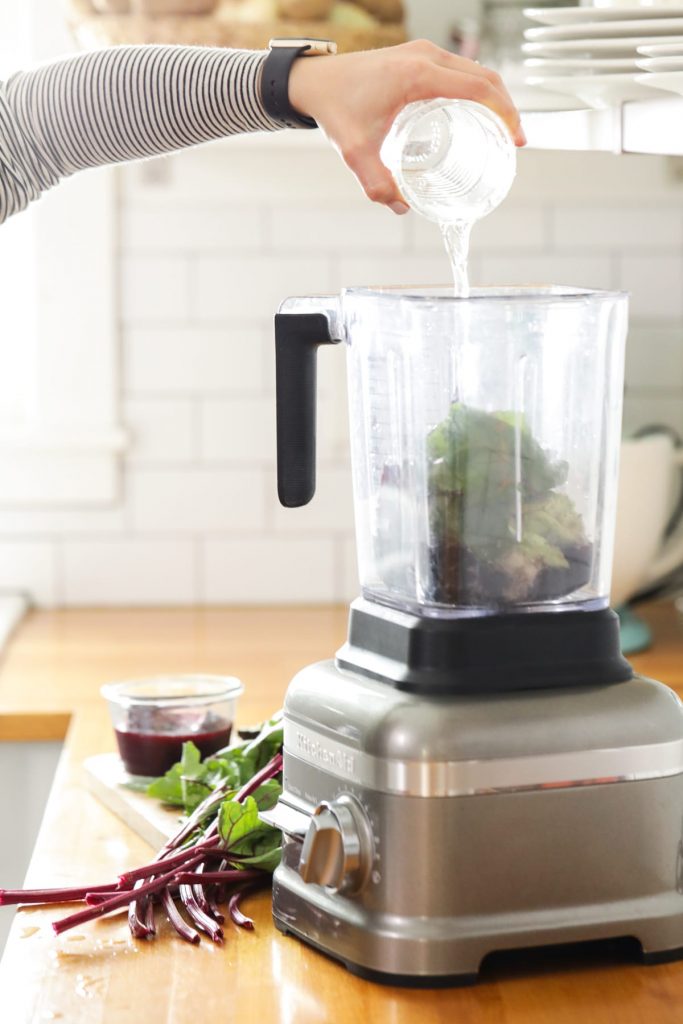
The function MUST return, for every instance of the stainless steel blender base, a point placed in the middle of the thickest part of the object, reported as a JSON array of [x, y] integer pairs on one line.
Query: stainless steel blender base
[[407, 951], [497, 823]]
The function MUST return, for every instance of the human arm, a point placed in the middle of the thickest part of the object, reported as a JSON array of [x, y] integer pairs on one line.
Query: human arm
[[355, 98], [127, 103], [117, 104]]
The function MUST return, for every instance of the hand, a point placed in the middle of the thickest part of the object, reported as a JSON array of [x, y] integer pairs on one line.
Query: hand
[[356, 96]]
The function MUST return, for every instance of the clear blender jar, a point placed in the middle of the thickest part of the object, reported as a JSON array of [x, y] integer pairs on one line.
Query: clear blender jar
[[485, 437]]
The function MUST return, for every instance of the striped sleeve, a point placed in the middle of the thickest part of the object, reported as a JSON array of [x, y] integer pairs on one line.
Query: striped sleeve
[[118, 104]]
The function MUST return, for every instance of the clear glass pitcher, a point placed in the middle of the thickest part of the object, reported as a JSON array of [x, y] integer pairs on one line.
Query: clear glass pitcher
[[484, 441]]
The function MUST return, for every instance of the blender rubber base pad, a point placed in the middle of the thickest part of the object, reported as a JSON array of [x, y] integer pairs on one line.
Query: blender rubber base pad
[[497, 823]]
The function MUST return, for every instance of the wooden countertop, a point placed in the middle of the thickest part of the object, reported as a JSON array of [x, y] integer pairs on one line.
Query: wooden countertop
[[49, 688]]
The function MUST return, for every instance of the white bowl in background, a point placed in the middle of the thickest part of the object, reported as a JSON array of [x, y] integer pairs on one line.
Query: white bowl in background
[[647, 485]]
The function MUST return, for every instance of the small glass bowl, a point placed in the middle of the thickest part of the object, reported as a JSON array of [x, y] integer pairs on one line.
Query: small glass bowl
[[152, 718]]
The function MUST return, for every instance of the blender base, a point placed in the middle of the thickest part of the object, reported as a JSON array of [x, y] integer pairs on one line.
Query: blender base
[[463, 980], [567, 934], [383, 977], [495, 823]]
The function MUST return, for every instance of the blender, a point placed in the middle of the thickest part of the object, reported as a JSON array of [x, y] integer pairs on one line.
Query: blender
[[478, 768]]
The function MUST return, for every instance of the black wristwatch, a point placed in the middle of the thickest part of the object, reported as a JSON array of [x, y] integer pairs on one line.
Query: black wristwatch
[[275, 77]]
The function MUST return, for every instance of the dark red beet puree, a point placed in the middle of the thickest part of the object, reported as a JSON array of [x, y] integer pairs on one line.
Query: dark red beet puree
[[153, 753]]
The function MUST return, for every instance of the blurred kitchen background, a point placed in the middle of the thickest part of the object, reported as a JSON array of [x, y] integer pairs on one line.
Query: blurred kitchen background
[[137, 446]]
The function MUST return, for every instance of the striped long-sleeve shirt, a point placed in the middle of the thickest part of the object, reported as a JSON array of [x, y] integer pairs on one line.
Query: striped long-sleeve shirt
[[119, 104]]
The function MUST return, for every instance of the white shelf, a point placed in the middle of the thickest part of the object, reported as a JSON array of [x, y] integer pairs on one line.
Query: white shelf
[[653, 126]]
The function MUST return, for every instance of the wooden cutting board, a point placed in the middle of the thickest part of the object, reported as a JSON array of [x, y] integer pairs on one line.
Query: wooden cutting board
[[105, 778]]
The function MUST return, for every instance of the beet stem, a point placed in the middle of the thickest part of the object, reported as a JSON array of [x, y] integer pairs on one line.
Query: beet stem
[[234, 908], [137, 926], [185, 931], [212, 896], [274, 767], [194, 821], [177, 859], [117, 901], [149, 921], [193, 878], [202, 920], [202, 896], [93, 899], [10, 897]]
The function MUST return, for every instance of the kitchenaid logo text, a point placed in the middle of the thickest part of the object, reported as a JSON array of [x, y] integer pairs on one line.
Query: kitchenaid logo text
[[327, 757]]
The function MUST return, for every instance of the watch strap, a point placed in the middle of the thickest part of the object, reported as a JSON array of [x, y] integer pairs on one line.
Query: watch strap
[[275, 86]]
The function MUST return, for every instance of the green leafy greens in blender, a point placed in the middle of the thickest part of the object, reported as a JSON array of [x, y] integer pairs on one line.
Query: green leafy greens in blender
[[501, 531]]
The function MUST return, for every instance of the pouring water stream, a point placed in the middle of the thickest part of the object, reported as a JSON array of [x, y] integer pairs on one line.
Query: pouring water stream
[[456, 237]]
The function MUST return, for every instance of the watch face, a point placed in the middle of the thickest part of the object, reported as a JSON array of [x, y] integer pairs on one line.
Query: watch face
[[316, 47]]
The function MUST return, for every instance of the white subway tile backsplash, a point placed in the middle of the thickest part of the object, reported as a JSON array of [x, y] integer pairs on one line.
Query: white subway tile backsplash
[[30, 567], [131, 571], [252, 287], [196, 500], [231, 172], [553, 268], [160, 429], [260, 570], [408, 269], [617, 228], [155, 287], [593, 178], [200, 226], [57, 522], [196, 360], [340, 229], [238, 430], [655, 284], [654, 355]]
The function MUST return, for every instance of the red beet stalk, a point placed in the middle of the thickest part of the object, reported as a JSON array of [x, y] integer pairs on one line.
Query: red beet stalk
[[194, 878], [10, 897], [202, 895], [177, 860], [269, 771], [234, 908], [184, 930], [116, 902], [197, 915]]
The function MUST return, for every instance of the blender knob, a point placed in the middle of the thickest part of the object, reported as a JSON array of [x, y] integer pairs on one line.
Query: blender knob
[[337, 851]]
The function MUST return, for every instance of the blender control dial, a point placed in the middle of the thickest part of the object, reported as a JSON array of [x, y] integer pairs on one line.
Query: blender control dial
[[338, 848]]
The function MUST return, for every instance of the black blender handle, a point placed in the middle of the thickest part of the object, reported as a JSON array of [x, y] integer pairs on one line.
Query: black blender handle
[[297, 337]]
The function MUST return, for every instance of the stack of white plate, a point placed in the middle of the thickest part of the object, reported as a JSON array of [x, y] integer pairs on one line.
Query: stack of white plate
[[595, 54], [663, 63]]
